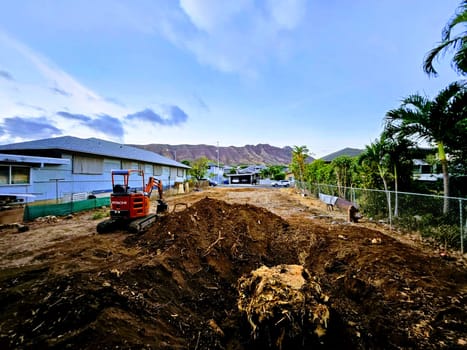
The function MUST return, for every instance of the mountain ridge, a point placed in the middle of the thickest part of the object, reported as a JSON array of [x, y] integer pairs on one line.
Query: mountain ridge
[[230, 155]]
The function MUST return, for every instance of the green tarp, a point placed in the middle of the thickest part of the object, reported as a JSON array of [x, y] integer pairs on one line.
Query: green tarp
[[34, 211]]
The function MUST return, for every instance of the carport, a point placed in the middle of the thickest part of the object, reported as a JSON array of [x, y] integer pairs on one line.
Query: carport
[[243, 179]]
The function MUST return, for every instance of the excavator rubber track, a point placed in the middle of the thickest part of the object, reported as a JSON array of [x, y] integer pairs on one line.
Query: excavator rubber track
[[141, 225], [111, 225], [133, 226]]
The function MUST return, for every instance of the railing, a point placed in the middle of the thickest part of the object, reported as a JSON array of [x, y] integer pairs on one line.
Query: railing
[[406, 211]]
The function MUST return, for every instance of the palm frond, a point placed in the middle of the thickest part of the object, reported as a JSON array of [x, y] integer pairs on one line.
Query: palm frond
[[417, 102], [434, 53], [458, 18], [458, 44], [444, 96], [459, 61]]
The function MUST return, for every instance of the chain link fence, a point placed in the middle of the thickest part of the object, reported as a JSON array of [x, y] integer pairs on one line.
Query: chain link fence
[[443, 219]]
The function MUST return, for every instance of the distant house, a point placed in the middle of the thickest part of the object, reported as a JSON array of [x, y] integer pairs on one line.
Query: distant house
[[249, 175], [228, 168], [68, 168], [243, 179], [215, 172], [252, 169], [422, 171]]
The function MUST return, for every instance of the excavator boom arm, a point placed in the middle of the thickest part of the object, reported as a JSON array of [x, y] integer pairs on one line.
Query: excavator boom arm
[[151, 183]]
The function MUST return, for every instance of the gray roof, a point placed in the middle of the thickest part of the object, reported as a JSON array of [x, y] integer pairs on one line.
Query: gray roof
[[252, 169], [419, 162], [30, 159], [350, 152], [93, 146]]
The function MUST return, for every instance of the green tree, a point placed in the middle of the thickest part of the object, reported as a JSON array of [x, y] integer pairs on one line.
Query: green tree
[[375, 156], [199, 168], [319, 172], [264, 173], [341, 166], [297, 165], [398, 149], [456, 144], [431, 121], [457, 43], [369, 175], [356, 172], [314, 172], [276, 172]]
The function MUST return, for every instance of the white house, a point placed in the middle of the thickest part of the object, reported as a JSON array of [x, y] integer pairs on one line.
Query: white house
[[68, 167]]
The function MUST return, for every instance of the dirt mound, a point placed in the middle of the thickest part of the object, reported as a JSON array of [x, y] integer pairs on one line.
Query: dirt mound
[[230, 239], [175, 286]]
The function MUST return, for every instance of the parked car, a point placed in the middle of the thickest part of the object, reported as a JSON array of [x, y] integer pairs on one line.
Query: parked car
[[281, 183]]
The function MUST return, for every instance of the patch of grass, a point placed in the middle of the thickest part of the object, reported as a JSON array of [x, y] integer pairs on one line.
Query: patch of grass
[[447, 234], [99, 215]]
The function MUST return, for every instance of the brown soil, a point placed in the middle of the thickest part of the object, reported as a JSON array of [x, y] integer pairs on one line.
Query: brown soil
[[175, 286]]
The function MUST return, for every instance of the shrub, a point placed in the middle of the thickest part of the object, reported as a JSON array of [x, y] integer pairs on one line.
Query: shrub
[[447, 234], [99, 215]]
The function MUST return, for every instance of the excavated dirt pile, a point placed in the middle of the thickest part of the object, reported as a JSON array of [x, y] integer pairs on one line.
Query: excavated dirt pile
[[193, 281]]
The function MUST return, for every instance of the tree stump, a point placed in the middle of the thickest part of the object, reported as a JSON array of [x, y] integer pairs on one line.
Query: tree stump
[[283, 303]]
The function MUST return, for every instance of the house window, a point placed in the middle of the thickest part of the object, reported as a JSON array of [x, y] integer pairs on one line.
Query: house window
[[128, 164], [88, 165], [19, 175], [4, 175], [14, 175], [148, 169], [157, 170], [180, 172]]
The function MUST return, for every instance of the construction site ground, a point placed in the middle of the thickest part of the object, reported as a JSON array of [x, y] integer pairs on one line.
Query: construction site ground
[[175, 286]]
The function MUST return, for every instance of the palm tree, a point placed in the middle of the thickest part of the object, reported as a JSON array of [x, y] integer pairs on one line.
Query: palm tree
[[376, 155], [457, 43], [299, 156], [341, 166], [432, 121], [397, 149], [456, 143]]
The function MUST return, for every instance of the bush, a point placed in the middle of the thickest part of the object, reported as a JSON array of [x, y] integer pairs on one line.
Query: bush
[[447, 234], [99, 215]]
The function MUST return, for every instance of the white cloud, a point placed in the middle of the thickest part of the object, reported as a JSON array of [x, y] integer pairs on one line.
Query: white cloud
[[56, 87], [208, 15], [287, 14], [234, 36], [45, 97]]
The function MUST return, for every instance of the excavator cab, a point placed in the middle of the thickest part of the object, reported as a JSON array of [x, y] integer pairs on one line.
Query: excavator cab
[[126, 203], [130, 201]]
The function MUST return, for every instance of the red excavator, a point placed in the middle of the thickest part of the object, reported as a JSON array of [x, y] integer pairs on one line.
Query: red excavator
[[130, 207]]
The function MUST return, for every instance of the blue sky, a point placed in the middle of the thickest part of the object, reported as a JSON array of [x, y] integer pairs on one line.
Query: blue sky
[[288, 73]]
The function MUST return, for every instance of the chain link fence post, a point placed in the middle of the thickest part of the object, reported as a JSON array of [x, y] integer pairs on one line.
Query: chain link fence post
[[461, 225]]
